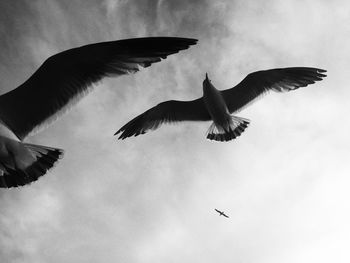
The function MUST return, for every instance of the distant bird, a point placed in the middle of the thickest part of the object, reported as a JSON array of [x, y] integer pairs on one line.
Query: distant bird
[[60, 82], [217, 105], [221, 213]]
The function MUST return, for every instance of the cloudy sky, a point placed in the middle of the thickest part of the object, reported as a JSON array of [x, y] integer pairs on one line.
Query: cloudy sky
[[284, 182]]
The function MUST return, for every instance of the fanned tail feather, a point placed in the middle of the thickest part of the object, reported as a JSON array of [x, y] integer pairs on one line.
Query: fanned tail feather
[[46, 157], [236, 128]]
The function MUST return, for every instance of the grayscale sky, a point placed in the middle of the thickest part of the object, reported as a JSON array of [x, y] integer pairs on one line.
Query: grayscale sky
[[284, 183]]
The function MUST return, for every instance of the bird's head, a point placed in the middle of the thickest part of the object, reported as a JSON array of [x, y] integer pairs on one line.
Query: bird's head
[[207, 81]]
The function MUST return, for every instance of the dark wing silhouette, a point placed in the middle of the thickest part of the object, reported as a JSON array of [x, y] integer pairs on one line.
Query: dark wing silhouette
[[225, 215], [63, 78], [168, 111], [218, 211], [260, 82]]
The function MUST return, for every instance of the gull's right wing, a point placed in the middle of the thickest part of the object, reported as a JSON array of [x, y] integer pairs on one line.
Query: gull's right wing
[[165, 112], [65, 77]]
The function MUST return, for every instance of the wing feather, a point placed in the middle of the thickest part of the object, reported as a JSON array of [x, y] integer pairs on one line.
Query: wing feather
[[64, 78], [260, 82], [165, 112]]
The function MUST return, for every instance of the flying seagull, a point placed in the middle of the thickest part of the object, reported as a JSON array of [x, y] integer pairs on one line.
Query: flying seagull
[[221, 213], [218, 105], [59, 83]]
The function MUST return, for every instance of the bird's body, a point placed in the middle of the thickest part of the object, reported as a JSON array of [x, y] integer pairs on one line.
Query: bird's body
[[60, 82], [218, 105], [21, 163], [225, 127], [215, 104], [10, 147]]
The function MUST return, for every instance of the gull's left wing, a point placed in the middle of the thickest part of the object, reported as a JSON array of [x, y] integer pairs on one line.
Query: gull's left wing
[[165, 112]]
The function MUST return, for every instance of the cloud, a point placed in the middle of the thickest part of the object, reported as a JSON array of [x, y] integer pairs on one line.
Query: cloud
[[151, 198]]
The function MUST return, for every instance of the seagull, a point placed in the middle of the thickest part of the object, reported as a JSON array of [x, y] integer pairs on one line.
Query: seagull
[[217, 106], [60, 82], [221, 213]]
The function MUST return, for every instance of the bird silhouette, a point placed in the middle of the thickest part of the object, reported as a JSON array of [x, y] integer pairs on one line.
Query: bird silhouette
[[221, 213], [218, 105], [57, 85]]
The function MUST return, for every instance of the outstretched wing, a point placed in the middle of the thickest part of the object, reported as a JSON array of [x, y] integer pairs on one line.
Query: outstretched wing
[[260, 82], [225, 215], [63, 78], [217, 210], [168, 111]]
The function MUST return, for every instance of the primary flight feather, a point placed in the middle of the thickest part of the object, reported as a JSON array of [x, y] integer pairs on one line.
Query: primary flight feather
[[218, 105], [58, 84]]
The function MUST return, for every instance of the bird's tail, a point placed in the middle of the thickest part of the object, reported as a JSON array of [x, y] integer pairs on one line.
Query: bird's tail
[[235, 129], [40, 159]]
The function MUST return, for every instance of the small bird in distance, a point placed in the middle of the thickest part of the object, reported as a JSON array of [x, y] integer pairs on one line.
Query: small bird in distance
[[221, 213], [217, 106]]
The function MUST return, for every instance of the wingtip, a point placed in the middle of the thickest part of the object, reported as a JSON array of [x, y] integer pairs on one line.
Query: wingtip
[[194, 41], [320, 73], [121, 136], [191, 41]]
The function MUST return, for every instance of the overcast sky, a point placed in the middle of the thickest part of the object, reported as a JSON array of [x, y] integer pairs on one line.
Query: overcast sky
[[284, 183]]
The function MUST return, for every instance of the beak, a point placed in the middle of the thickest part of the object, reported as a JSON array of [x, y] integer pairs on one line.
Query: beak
[[206, 77]]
